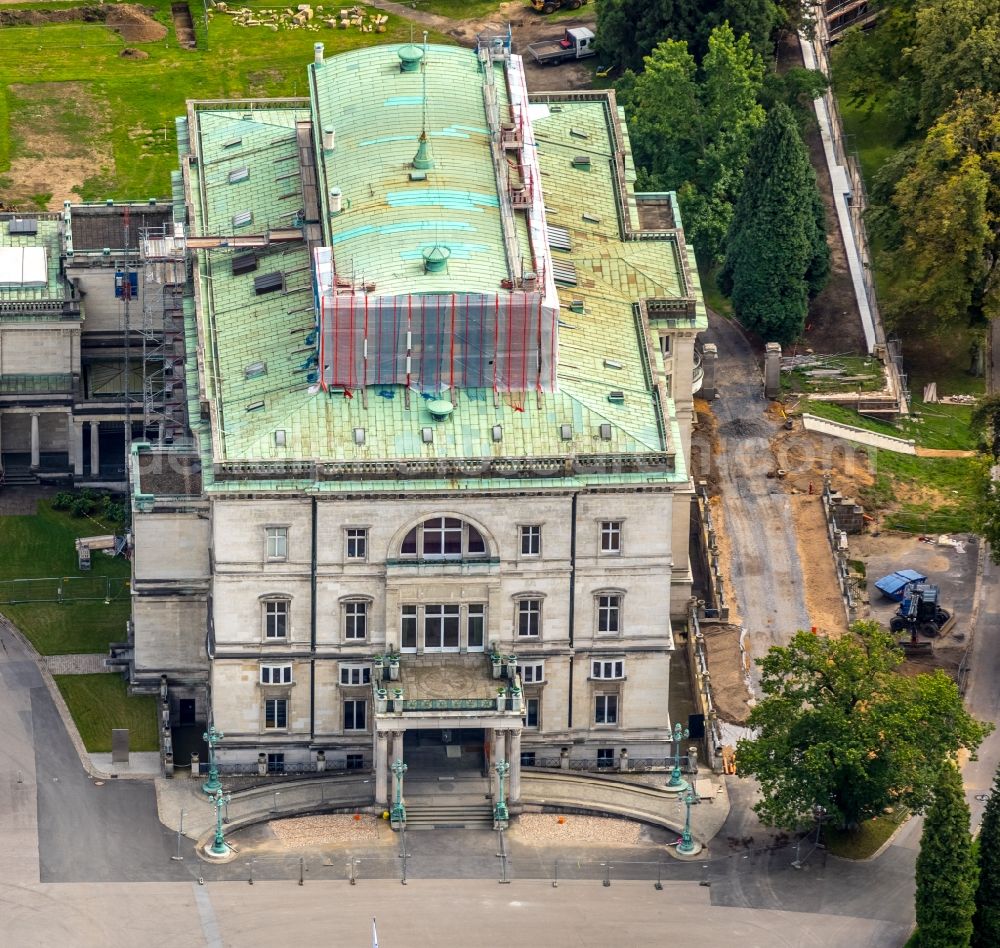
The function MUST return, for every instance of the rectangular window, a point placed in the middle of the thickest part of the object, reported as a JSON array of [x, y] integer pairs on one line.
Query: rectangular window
[[531, 540], [531, 674], [531, 709], [355, 620], [529, 617], [275, 674], [355, 761], [276, 619], [408, 629], [354, 715], [608, 669], [355, 675], [441, 628], [443, 537], [527, 758], [605, 757], [611, 536], [276, 763], [664, 346], [606, 709], [476, 628], [357, 543], [275, 713], [609, 614], [277, 542]]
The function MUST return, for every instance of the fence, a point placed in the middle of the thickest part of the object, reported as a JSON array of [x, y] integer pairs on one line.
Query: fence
[[64, 589], [814, 52], [701, 691]]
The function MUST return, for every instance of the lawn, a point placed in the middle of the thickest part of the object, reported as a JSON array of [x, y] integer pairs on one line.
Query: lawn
[[117, 139], [41, 545], [715, 300], [99, 703], [864, 841], [920, 494]]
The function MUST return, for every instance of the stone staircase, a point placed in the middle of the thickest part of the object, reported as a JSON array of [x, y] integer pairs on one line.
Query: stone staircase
[[461, 801], [426, 815], [16, 475]]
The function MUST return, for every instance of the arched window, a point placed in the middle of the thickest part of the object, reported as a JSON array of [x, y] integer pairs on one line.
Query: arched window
[[443, 538]]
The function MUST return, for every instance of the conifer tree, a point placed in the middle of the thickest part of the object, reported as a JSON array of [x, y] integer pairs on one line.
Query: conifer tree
[[946, 869], [776, 256], [986, 922]]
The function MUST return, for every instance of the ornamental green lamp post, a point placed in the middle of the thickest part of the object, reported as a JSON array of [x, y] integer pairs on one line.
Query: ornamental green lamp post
[[675, 782], [500, 810], [219, 846], [212, 737], [687, 846], [398, 814]]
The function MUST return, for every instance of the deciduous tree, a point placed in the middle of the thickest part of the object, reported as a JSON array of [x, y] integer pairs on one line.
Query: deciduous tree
[[691, 128], [946, 869], [944, 270], [776, 252], [838, 727]]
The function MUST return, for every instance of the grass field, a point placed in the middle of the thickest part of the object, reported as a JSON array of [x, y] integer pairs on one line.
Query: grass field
[[42, 545], [105, 124], [99, 703], [922, 495]]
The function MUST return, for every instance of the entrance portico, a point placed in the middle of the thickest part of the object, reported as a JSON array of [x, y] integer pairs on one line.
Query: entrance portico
[[456, 695]]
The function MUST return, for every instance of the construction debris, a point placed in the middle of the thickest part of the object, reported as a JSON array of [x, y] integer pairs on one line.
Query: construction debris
[[306, 17]]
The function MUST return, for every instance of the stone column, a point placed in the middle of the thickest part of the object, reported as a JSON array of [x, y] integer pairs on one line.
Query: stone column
[[496, 755], [77, 448], [381, 768], [35, 447], [514, 756], [95, 449], [71, 451], [772, 370], [709, 360], [397, 747], [1, 442]]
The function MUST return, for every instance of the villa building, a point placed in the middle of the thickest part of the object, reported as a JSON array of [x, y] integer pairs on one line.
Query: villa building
[[439, 386]]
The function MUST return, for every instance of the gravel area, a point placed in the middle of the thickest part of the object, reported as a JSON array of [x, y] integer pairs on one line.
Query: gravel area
[[335, 828], [546, 828]]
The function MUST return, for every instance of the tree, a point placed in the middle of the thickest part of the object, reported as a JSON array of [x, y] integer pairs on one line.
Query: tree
[[945, 214], [839, 728], [956, 49], [691, 128], [629, 30], [946, 870], [986, 922], [776, 254]]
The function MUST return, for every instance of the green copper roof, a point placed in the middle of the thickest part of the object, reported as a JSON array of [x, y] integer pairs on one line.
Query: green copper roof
[[257, 351], [392, 212], [48, 236]]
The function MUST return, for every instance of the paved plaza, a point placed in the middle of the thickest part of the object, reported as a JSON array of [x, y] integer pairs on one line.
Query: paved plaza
[[87, 862]]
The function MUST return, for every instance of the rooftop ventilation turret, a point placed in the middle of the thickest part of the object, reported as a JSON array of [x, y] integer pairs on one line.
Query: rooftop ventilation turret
[[436, 259], [422, 160], [409, 57], [440, 408]]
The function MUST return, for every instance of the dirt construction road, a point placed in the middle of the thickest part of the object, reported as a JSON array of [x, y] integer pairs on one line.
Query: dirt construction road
[[764, 569]]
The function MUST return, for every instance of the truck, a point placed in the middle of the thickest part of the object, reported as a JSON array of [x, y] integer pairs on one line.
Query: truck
[[550, 6], [575, 43]]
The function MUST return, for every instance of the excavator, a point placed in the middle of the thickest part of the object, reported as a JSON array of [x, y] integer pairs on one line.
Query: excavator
[[550, 6]]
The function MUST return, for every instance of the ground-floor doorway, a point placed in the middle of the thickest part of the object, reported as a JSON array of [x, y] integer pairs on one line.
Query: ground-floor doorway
[[445, 752]]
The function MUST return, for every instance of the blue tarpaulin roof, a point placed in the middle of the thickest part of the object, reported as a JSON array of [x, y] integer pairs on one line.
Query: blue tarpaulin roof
[[894, 584]]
